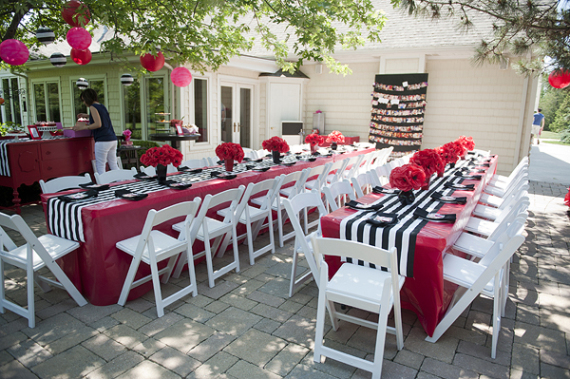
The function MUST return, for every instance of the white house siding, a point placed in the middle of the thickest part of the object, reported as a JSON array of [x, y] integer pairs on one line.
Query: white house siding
[[483, 102]]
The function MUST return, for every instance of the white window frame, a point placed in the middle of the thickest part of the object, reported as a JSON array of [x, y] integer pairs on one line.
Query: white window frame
[[89, 78], [208, 77], [33, 100]]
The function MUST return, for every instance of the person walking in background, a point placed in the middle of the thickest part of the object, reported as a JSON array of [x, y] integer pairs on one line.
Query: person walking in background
[[537, 126], [103, 132]]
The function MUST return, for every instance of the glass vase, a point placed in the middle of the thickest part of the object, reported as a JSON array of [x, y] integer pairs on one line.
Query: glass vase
[[406, 197], [314, 148]]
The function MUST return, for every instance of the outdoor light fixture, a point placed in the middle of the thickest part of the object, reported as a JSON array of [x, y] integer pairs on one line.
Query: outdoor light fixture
[[127, 79], [45, 35], [82, 83], [58, 59]]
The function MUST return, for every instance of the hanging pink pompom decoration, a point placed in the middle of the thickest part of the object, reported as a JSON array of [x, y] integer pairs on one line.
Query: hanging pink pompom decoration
[[81, 57], [14, 52], [152, 62], [181, 77], [78, 38], [559, 78], [75, 13]]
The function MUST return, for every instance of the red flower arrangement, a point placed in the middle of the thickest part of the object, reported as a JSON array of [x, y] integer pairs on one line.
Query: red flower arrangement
[[230, 150], [429, 160], [449, 152], [335, 136], [163, 155], [467, 142], [314, 139], [407, 177], [275, 144]]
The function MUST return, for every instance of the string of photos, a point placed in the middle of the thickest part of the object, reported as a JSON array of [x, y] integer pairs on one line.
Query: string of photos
[[398, 108]]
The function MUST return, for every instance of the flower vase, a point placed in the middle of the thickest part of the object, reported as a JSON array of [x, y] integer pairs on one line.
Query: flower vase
[[426, 184], [452, 165], [440, 174], [161, 173], [314, 148], [276, 156], [406, 197], [333, 145], [229, 164]]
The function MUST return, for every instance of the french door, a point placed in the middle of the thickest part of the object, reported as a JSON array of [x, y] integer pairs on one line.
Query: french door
[[237, 109]]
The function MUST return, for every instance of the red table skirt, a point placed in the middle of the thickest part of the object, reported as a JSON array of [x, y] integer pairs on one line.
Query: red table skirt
[[426, 293], [98, 268]]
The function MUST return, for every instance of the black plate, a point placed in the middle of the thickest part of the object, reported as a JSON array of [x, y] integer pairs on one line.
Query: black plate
[[192, 170], [289, 164], [312, 159], [144, 176], [363, 207], [215, 173], [227, 176], [382, 219], [386, 191], [178, 185], [261, 169], [449, 199], [258, 160], [94, 186], [78, 196], [134, 196], [435, 217], [460, 187]]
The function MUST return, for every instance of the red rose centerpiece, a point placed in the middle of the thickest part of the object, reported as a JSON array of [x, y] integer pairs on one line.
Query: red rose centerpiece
[[228, 152], [160, 157], [449, 153], [407, 178], [335, 138], [277, 146], [314, 140], [431, 162]]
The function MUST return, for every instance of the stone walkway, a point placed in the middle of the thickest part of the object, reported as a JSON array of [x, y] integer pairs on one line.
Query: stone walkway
[[247, 327]]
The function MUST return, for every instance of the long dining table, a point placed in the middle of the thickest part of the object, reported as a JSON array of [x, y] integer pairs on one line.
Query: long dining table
[[98, 268], [421, 244]]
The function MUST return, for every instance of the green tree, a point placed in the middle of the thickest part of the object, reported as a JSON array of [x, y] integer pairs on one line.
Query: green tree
[[207, 33], [562, 119], [550, 100], [530, 28]]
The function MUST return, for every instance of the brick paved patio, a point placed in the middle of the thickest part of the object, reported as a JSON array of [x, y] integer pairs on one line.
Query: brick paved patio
[[247, 327]]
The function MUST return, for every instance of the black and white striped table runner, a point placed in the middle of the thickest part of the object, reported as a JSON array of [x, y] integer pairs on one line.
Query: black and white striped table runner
[[403, 234], [4, 163]]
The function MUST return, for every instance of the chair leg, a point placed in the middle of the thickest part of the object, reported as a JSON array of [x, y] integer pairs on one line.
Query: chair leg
[[2, 288], [170, 267], [250, 242], [66, 283], [497, 305], [156, 287], [319, 335], [209, 263], [235, 246], [293, 271], [380, 342], [179, 266], [31, 303], [128, 281], [191, 272], [280, 225]]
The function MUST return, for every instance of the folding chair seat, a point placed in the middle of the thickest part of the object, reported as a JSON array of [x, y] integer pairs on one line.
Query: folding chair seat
[[363, 183], [206, 228], [353, 167], [321, 173], [501, 191], [498, 201], [64, 183], [35, 254], [195, 163], [522, 165], [335, 194], [153, 246], [484, 277], [491, 213], [253, 217], [285, 192], [486, 228], [115, 176], [336, 171], [294, 206], [365, 288]]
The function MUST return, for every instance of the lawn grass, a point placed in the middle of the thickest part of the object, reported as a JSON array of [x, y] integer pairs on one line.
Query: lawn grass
[[555, 142], [550, 135]]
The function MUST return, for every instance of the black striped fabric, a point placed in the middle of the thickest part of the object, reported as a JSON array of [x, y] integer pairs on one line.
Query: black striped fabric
[[4, 162], [403, 234]]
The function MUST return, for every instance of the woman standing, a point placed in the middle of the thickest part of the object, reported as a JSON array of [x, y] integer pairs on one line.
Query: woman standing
[[103, 133]]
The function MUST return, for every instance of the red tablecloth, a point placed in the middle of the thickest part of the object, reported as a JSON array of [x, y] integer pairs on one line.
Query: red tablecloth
[[426, 293], [98, 268]]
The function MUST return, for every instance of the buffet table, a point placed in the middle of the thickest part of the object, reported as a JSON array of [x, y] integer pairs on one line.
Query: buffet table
[[421, 244], [28, 161], [98, 268]]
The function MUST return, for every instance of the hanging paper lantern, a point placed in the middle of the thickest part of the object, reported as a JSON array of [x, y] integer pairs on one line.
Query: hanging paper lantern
[[151, 62], [81, 57], [45, 35], [78, 38], [181, 76], [75, 13], [58, 59], [82, 83], [14, 52], [127, 79], [559, 78]]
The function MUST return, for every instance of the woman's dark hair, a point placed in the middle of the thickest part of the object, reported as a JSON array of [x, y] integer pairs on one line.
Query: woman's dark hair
[[89, 96]]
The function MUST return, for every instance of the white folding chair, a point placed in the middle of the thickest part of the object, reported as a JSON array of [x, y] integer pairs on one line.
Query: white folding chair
[[248, 215], [195, 163], [381, 158], [353, 167], [363, 183], [64, 183], [294, 206], [484, 277], [115, 176], [486, 228], [502, 191], [321, 173], [336, 171], [35, 254], [365, 288], [491, 213], [153, 246], [501, 180], [336, 193], [206, 228], [520, 185]]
